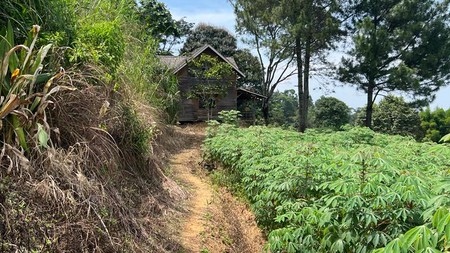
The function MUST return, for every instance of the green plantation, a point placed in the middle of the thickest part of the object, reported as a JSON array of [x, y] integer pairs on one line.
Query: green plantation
[[348, 191]]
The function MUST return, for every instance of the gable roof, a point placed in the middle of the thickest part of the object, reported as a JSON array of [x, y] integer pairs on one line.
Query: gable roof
[[178, 62]]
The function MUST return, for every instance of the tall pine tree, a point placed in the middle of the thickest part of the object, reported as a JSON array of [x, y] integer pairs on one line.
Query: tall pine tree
[[398, 46]]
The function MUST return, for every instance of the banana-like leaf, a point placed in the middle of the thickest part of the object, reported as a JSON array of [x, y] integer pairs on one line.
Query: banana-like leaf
[[20, 132], [40, 57], [5, 64], [446, 138], [9, 43], [11, 105], [35, 31]]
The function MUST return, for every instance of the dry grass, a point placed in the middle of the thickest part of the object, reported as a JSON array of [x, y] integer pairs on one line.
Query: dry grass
[[231, 227], [97, 189]]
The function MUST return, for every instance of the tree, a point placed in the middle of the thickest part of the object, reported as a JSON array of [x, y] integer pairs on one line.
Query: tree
[[219, 38], [313, 26], [435, 124], [358, 118], [251, 67], [330, 112], [257, 19], [398, 46], [283, 107], [214, 81], [160, 25], [394, 116]]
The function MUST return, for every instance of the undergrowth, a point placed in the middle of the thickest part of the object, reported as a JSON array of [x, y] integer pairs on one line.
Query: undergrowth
[[81, 162]]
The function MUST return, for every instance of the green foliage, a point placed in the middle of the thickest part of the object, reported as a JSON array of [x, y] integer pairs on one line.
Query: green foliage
[[214, 78], [102, 29], [159, 24], [314, 27], [435, 124], [230, 117], [394, 116], [258, 21], [149, 79], [348, 191], [100, 42], [446, 138], [330, 112], [25, 91], [251, 67], [431, 237], [53, 16], [283, 108], [219, 38], [394, 51], [138, 136]]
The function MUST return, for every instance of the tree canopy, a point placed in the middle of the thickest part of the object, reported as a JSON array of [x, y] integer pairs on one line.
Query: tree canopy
[[160, 25], [435, 124], [313, 27], [249, 64], [283, 107], [394, 116], [398, 46], [219, 38], [330, 112]]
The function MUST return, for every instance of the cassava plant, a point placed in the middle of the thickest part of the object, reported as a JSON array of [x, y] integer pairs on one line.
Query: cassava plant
[[25, 91], [230, 117], [346, 191]]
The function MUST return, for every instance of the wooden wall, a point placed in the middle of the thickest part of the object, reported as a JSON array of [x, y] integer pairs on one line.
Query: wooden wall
[[189, 108]]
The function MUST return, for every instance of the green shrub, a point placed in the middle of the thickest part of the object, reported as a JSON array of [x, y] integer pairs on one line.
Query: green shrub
[[435, 124], [101, 43], [230, 117]]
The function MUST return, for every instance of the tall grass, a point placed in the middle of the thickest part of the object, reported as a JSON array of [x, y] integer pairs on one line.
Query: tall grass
[[148, 79]]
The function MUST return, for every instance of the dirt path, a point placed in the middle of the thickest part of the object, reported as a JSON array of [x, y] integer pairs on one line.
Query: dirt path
[[201, 194], [215, 221]]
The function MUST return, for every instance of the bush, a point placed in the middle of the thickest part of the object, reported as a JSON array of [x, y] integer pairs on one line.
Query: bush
[[99, 43], [330, 112], [394, 116], [230, 117], [435, 124]]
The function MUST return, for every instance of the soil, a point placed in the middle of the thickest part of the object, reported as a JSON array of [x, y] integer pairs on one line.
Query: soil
[[213, 221]]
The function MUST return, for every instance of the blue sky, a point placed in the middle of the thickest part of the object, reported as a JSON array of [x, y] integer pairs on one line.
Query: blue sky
[[220, 13]]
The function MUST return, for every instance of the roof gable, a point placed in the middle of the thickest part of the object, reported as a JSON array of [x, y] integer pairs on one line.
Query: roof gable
[[179, 62]]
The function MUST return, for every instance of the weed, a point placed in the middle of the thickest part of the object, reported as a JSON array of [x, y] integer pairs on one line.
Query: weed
[[204, 250]]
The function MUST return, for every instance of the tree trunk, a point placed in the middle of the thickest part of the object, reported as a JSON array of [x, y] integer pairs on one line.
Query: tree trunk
[[301, 107], [369, 108], [265, 111], [305, 98]]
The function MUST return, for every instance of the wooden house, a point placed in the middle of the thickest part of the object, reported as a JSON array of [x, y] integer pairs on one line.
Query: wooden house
[[192, 109]]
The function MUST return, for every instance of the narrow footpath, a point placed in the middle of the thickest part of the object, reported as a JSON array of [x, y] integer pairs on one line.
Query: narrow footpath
[[214, 221]]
